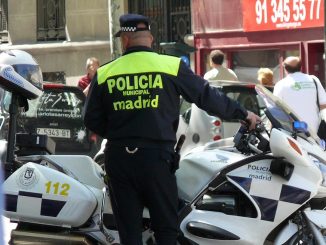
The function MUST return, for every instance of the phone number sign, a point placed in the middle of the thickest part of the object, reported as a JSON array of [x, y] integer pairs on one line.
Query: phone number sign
[[282, 14]]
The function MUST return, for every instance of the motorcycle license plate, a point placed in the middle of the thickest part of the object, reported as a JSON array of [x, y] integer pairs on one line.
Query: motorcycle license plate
[[54, 132]]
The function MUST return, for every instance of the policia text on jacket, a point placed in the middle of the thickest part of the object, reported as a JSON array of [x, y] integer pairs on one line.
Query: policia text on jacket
[[136, 85]]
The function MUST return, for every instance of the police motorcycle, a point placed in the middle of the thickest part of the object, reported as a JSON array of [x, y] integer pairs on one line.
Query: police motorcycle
[[52, 198], [266, 187]]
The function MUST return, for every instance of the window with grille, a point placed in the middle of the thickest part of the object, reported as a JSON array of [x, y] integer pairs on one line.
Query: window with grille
[[170, 19], [3, 21], [55, 77], [51, 20]]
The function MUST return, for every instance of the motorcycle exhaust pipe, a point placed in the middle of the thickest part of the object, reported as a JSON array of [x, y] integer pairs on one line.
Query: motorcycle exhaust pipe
[[24, 237]]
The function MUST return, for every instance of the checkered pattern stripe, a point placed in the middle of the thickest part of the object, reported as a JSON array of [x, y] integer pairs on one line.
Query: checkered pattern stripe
[[33, 203], [289, 195], [128, 29]]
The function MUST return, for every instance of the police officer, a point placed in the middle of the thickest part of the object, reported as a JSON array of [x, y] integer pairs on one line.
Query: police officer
[[134, 103]]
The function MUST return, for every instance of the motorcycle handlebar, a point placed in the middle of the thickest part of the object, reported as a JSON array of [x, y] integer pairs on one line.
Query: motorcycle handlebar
[[246, 141]]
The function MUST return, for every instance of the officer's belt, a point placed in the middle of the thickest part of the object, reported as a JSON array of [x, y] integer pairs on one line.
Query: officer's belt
[[142, 143]]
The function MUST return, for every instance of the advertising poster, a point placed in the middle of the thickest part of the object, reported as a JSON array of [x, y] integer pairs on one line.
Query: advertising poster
[[262, 15]]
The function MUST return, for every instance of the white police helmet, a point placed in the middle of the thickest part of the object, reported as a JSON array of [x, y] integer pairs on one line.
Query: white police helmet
[[20, 73]]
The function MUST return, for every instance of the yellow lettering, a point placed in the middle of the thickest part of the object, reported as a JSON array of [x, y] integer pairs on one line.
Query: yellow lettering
[[119, 105], [146, 103], [121, 83], [150, 80], [57, 188], [141, 80], [141, 84], [138, 103], [136, 82], [111, 84], [129, 105], [158, 82], [154, 102], [129, 86], [64, 189]]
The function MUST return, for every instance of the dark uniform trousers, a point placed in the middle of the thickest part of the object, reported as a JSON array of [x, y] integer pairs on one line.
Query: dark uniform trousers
[[142, 178]]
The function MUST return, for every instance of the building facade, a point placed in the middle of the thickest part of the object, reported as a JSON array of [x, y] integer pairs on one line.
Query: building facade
[[60, 34], [260, 33], [170, 19]]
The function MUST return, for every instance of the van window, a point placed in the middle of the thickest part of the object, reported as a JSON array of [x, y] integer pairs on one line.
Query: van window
[[246, 96], [55, 104]]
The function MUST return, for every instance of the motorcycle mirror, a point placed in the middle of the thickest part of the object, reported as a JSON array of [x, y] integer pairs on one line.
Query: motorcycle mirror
[[300, 126], [282, 168], [322, 144]]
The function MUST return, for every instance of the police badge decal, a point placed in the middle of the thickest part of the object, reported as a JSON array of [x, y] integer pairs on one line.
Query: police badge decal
[[27, 178]]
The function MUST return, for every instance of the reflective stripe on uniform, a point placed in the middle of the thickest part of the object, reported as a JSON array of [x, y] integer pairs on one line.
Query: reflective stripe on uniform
[[130, 64]]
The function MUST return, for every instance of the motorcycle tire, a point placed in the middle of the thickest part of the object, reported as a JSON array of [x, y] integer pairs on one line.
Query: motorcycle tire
[[295, 240]]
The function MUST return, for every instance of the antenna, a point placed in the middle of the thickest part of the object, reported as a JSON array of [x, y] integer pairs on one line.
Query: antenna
[[10, 163]]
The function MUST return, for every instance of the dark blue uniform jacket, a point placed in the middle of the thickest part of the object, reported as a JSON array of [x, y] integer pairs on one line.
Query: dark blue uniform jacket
[[135, 99]]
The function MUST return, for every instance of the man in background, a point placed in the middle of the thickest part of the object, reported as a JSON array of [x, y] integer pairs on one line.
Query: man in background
[[299, 92], [92, 64], [218, 71]]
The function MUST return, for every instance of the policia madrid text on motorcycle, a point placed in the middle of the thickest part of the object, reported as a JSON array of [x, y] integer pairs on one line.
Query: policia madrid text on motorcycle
[[134, 103]]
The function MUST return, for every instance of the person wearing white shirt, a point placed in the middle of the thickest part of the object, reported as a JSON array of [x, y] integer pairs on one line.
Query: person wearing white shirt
[[218, 71], [299, 92]]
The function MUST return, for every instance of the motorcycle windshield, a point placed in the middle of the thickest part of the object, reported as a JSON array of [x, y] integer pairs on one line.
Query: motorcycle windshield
[[279, 114]]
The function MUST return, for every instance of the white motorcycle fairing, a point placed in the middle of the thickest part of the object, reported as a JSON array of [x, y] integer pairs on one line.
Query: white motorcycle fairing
[[85, 201], [318, 217], [39, 194], [253, 178], [286, 233], [199, 167]]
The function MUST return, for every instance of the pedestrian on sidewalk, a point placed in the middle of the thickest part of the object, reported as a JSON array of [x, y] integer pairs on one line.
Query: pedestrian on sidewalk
[[92, 64], [298, 91], [218, 71]]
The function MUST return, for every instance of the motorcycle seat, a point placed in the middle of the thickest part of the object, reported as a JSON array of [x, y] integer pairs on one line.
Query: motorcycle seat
[[83, 167]]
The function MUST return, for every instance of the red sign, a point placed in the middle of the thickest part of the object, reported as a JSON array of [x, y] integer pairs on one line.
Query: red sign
[[282, 14]]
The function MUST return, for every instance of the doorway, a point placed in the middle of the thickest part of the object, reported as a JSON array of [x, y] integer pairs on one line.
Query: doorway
[[316, 61]]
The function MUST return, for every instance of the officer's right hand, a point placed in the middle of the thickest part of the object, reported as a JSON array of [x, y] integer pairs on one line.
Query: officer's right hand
[[252, 119]]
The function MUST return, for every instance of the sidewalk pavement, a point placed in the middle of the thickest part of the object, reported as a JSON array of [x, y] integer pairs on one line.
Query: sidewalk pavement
[[8, 227]]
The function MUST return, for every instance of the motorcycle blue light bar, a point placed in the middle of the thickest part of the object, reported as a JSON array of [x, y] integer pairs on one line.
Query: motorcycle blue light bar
[[300, 126]]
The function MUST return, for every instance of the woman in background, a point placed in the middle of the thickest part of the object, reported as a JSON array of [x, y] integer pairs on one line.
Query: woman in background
[[265, 77]]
